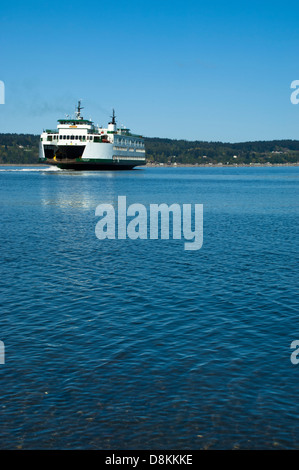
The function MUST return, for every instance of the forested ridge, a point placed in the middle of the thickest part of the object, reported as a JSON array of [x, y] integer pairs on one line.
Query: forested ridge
[[19, 148], [23, 148]]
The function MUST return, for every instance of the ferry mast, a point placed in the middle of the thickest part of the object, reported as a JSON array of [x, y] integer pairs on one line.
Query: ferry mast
[[78, 111]]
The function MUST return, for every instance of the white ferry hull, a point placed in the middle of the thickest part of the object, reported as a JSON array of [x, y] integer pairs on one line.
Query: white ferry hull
[[78, 159]]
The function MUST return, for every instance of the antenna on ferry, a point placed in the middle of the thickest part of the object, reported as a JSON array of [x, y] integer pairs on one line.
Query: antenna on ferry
[[113, 117], [78, 110]]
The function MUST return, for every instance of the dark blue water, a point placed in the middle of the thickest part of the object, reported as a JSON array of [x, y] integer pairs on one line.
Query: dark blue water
[[139, 344]]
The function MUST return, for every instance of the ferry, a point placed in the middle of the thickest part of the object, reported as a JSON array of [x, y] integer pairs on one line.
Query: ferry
[[78, 144]]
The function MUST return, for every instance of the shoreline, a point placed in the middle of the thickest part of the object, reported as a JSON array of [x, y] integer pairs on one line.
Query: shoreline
[[166, 165], [219, 165]]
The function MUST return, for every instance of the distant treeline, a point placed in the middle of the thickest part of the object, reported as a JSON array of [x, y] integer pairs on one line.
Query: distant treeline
[[184, 151], [19, 148], [23, 148]]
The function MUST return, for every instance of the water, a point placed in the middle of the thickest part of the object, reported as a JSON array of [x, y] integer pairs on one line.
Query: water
[[139, 344]]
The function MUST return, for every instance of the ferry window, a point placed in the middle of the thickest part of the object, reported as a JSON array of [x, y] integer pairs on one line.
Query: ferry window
[[72, 137], [76, 137], [64, 137], [68, 137], [83, 137]]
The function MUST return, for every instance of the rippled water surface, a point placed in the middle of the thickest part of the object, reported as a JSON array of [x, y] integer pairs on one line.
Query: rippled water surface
[[139, 344]]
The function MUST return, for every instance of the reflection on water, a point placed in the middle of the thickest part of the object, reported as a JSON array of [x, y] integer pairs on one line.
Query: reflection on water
[[75, 189]]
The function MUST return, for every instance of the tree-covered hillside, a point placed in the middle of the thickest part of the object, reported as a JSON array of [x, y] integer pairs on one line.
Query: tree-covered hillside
[[19, 148], [23, 148], [198, 152]]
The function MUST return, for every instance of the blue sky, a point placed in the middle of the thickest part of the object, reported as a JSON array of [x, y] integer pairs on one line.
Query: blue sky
[[206, 70]]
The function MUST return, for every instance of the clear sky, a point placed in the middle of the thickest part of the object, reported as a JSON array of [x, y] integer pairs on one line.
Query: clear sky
[[208, 70]]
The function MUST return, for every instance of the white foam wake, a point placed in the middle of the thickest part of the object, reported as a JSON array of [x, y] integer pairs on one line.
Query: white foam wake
[[41, 169]]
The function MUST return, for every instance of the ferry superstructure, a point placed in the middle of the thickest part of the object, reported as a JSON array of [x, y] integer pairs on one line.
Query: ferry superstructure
[[80, 145]]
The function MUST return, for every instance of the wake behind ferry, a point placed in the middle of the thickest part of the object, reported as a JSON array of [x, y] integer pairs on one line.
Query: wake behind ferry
[[80, 145]]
